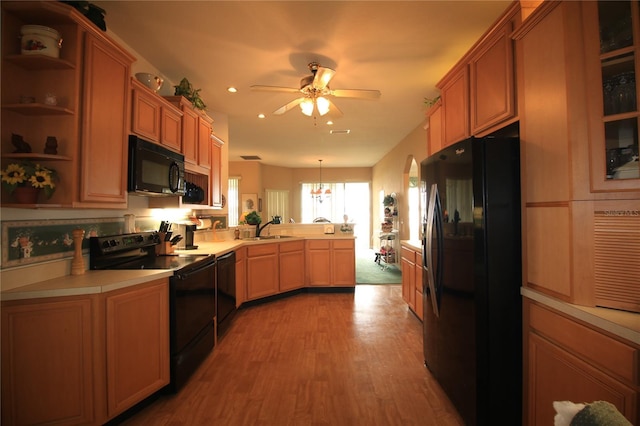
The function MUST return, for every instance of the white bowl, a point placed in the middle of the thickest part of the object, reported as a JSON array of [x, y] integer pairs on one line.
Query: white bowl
[[153, 82]]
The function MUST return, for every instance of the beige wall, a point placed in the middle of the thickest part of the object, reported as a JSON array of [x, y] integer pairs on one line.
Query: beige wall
[[255, 178], [391, 173]]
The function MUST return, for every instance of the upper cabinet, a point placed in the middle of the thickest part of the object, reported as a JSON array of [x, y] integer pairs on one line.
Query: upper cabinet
[[478, 94], [79, 97], [611, 32]]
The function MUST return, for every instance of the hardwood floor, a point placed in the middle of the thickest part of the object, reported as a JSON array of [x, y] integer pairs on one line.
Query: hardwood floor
[[313, 359]]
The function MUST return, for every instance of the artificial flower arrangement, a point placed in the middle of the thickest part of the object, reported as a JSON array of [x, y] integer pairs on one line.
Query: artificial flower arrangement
[[29, 174]]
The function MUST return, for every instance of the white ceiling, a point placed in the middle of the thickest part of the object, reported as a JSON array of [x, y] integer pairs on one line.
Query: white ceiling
[[400, 48]]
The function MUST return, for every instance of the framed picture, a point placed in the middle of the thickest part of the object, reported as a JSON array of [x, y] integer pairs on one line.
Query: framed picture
[[249, 202]]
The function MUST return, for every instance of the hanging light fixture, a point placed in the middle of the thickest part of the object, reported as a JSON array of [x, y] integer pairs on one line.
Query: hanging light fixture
[[320, 104], [319, 193]]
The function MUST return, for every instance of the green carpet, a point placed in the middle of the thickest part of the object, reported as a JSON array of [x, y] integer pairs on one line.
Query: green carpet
[[369, 272]]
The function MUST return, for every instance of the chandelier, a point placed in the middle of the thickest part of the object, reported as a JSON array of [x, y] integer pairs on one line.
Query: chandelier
[[319, 193]]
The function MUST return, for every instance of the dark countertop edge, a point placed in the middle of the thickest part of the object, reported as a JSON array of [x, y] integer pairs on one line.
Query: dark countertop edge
[[623, 324]]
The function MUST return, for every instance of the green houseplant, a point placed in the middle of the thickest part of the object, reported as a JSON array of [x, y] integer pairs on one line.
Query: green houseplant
[[185, 88]]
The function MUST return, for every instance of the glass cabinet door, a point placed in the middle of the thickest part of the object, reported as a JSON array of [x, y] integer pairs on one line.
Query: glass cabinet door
[[618, 23]]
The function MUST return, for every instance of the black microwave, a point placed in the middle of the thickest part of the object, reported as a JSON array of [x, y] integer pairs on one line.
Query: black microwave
[[154, 170]]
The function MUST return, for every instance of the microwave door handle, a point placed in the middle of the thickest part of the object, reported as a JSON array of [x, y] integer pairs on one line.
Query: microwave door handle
[[428, 247], [174, 177]]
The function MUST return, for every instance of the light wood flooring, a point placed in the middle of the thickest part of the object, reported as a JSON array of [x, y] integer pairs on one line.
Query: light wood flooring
[[313, 359]]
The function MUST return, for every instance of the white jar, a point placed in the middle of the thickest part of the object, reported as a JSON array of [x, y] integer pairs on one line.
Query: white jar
[[40, 40]]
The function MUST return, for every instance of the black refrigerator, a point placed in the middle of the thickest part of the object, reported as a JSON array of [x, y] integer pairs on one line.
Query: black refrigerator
[[472, 276]]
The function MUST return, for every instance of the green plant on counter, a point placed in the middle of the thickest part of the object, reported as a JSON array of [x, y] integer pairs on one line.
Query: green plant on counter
[[253, 218], [185, 88]]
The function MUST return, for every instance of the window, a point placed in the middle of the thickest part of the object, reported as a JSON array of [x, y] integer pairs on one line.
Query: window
[[277, 204], [233, 201]]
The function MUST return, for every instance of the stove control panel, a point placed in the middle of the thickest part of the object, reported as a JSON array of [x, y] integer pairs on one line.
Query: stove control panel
[[116, 243]]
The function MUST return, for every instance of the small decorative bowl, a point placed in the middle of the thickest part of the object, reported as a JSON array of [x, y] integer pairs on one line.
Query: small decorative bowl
[[153, 82]]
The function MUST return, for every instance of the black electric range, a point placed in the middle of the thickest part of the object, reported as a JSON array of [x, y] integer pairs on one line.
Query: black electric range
[[192, 294]]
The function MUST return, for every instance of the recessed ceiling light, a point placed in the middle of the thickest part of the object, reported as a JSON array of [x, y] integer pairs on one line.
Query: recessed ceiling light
[[232, 89], [329, 123], [260, 115]]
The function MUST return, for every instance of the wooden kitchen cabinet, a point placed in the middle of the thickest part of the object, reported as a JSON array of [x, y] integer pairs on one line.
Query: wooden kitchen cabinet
[[569, 361], [419, 291], [491, 79], [434, 115], [154, 118], [90, 120], [137, 344], [263, 274], [241, 276], [408, 266], [454, 90], [216, 172], [291, 265], [83, 359], [330, 262], [47, 361], [204, 141]]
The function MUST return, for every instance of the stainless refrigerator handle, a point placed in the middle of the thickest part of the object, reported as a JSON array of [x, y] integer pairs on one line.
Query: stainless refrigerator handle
[[431, 211]]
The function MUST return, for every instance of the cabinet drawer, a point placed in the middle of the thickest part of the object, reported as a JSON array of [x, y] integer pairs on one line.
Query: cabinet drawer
[[408, 254], [291, 246], [318, 244], [262, 250], [606, 352], [342, 244]]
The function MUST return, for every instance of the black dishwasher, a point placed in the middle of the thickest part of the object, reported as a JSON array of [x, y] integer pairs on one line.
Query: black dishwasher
[[226, 281]]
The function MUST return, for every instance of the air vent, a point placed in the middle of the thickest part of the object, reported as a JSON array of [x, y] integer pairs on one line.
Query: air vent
[[250, 157], [340, 132]]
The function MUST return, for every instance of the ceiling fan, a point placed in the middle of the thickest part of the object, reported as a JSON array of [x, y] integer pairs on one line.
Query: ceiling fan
[[315, 92]]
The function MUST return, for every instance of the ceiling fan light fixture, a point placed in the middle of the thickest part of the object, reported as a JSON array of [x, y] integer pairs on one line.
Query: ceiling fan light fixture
[[307, 107], [322, 104]]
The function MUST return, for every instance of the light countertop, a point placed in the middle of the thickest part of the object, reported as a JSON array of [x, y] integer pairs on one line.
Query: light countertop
[[95, 282]]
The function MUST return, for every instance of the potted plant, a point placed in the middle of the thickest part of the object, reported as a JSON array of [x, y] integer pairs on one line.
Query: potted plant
[[388, 200], [185, 88], [27, 179]]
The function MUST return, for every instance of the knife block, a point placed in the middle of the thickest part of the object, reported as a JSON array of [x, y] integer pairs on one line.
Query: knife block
[[164, 247]]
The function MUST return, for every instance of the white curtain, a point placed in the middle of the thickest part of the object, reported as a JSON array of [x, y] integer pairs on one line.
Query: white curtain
[[233, 201]]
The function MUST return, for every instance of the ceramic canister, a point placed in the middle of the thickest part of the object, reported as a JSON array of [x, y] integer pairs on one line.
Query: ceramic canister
[[40, 40]]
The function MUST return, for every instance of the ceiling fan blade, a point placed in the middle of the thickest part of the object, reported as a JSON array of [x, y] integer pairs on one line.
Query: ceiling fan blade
[[294, 103], [356, 93], [274, 89], [322, 78], [334, 111]]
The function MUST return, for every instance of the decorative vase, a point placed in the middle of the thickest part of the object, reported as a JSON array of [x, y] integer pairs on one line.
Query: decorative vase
[[26, 195]]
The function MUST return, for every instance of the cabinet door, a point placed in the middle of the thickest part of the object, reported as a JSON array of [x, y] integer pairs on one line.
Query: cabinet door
[[343, 263], [104, 123], [557, 375], [146, 115], [189, 135], [262, 278], [408, 277], [491, 81], [318, 267], [204, 143], [216, 174], [171, 134], [435, 128], [137, 336], [455, 107], [291, 270], [418, 282], [241, 276], [47, 362]]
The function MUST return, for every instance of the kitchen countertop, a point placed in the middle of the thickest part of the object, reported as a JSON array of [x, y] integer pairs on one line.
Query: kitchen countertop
[[95, 282]]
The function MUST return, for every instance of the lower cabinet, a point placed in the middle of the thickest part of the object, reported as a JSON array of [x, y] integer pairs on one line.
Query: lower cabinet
[[330, 262], [569, 361], [137, 343], [419, 295], [78, 359], [263, 275], [411, 261], [291, 265], [241, 275]]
